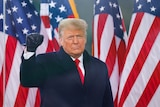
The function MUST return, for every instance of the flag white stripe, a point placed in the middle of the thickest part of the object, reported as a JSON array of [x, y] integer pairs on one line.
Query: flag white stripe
[[107, 37], [44, 9], [154, 102], [56, 35], [3, 39], [114, 80], [30, 102], [135, 48], [144, 75], [96, 17], [105, 45], [13, 80], [42, 48]]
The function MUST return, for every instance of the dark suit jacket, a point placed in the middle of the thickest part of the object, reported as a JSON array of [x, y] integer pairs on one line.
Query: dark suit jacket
[[56, 76]]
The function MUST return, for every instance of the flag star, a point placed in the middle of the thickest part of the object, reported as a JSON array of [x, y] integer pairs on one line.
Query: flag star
[[31, 1], [110, 4], [9, 11], [29, 15], [25, 31], [58, 18], [19, 20], [50, 15], [6, 27], [118, 16], [148, 1], [33, 27], [1, 16], [153, 9], [36, 13], [24, 4], [139, 6], [17, 35], [121, 27], [115, 5], [52, 4], [14, 9], [137, 1], [62, 8], [98, 1], [102, 8]]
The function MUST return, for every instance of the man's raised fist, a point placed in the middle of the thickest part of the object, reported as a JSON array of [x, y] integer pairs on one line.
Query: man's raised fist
[[33, 40]]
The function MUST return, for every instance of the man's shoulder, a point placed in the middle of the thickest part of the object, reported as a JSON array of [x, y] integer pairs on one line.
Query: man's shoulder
[[97, 60]]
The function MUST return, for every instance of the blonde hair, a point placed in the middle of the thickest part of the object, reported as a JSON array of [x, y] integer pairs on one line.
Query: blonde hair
[[72, 23]]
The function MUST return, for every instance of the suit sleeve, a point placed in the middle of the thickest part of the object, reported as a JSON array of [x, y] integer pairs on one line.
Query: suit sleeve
[[31, 72]]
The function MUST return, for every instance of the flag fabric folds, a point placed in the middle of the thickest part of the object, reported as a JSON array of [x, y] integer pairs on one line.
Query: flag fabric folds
[[140, 80], [21, 18], [109, 39]]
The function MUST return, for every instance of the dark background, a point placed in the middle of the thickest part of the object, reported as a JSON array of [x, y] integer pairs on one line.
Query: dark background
[[85, 11]]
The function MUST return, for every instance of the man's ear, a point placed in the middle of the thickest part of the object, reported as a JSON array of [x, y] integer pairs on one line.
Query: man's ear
[[60, 41]]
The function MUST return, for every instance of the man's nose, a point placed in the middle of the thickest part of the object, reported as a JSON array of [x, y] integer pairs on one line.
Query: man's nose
[[75, 39]]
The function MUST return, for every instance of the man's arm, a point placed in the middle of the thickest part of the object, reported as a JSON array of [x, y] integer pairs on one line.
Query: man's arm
[[29, 68]]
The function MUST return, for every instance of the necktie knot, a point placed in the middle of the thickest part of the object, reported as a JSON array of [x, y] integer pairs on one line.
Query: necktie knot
[[77, 61]]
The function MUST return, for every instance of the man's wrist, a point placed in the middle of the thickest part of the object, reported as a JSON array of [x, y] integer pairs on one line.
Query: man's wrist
[[27, 54]]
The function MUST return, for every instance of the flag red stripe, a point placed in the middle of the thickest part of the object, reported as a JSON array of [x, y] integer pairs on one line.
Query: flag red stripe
[[134, 29], [38, 100], [140, 60], [56, 45], [111, 58], [1, 88], [10, 50], [21, 97], [116, 100], [150, 89], [52, 44], [46, 21], [100, 27], [121, 52]]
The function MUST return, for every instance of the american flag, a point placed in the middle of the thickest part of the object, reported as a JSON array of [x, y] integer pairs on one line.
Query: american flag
[[140, 81], [52, 12], [1, 51], [109, 39], [21, 18]]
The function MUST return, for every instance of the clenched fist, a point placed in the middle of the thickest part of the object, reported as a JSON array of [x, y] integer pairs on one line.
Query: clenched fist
[[33, 40]]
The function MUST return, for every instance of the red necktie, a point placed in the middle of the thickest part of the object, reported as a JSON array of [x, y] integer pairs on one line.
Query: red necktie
[[79, 70]]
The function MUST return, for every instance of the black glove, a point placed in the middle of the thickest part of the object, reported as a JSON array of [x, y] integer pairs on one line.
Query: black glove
[[33, 40]]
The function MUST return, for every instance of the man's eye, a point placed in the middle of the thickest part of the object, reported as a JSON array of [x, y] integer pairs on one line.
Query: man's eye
[[70, 37], [79, 36]]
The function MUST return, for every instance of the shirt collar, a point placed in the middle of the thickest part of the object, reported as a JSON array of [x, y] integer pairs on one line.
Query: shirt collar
[[80, 58]]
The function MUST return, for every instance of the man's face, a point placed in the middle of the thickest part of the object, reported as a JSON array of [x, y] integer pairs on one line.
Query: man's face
[[73, 42]]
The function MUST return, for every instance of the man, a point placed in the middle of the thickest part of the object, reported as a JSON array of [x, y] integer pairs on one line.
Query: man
[[57, 75]]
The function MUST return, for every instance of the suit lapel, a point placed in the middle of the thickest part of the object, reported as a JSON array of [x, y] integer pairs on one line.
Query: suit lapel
[[68, 65]]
